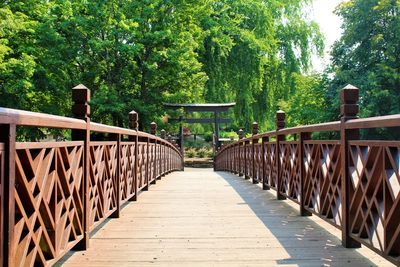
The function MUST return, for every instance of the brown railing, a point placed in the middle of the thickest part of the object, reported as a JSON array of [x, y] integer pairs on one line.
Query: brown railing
[[353, 184], [54, 194]]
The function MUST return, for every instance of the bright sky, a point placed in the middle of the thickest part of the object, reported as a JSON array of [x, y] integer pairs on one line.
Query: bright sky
[[329, 25]]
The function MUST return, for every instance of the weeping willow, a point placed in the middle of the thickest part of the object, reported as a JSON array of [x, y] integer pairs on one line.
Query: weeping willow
[[252, 50]]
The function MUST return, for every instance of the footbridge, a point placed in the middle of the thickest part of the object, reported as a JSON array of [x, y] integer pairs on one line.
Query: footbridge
[[110, 196]]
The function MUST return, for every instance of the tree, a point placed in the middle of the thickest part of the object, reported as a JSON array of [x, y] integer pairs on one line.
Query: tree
[[368, 54], [17, 65], [306, 104], [251, 52]]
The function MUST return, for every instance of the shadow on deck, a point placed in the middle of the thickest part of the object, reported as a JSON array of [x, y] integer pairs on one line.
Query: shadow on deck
[[307, 240], [205, 218]]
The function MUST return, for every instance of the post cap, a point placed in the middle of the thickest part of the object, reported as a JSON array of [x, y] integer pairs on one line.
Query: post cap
[[280, 115], [133, 120], [81, 99], [163, 133], [241, 133], [349, 94], [255, 128], [153, 128]]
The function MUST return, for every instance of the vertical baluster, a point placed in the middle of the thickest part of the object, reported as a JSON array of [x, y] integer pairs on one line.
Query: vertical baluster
[[81, 110], [162, 158], [280, 124], [254, 142], [302, 158], [147, 171], [232, 154], [264, 163], [134, 125], [241, 153], [8, 137], [117, 137], [349, 109], [246, 160], [153, 131]]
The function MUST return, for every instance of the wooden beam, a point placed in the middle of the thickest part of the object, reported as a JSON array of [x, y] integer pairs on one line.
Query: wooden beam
[[201, 120]]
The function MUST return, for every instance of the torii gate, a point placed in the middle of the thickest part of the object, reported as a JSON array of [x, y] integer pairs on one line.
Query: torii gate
[[216, 108]]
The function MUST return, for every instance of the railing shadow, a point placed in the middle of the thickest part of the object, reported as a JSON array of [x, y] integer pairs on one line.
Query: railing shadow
[[308, 243]]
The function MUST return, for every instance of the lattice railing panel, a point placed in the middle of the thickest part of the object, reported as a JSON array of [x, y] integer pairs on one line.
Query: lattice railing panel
[[374, 170], [142, 159], [236, 166], [48, 201], [249, 160], [242, 158], [163, 163], [257, 162], [270, 164], [152, 162], [290, 170], [323, 179], [158, 160], [102, 182], [127, 178]]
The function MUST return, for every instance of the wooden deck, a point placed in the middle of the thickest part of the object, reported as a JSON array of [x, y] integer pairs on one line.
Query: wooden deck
[[205, 218]]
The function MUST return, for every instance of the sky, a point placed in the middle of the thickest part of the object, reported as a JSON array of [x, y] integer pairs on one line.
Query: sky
[[322, 13]]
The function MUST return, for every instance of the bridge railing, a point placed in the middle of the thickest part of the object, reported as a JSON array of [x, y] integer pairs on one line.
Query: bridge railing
[[351, 183], [54, 194]]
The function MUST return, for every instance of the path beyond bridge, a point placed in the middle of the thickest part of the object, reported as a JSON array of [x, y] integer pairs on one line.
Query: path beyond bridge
[[203, 218]]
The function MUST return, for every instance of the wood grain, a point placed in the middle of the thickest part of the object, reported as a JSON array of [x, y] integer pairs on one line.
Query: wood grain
[[205, 218]]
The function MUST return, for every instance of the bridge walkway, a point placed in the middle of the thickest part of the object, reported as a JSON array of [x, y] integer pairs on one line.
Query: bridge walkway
[[205, 218]]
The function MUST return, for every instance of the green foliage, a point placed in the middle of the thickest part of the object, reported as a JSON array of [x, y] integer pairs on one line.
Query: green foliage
[[367, 56], [210, 153], [202, 152], [228, 134], [190, 153], [131, 54], [137, 54], [251, 52], [306, 104]]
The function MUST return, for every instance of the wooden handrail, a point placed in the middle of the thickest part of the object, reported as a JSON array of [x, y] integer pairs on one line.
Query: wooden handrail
[[54, 194], [350, 183]]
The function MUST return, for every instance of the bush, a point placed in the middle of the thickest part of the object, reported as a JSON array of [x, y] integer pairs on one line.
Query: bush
[[201, 153], [191, 153], [208, 137]]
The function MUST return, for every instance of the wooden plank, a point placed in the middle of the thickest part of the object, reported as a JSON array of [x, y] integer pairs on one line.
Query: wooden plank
[[205, 218]]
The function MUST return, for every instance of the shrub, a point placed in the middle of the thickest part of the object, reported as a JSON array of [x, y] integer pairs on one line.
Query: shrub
[[201, 153], [191, 153]]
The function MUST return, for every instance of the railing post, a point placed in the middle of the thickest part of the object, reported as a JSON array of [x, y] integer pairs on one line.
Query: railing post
[[349, 109], [81, 110], [301, 158], [253, 148], [8, 137], [263, 155], [153, 131], [241, 136], [134, 125], [280, 124], [153, 128]]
